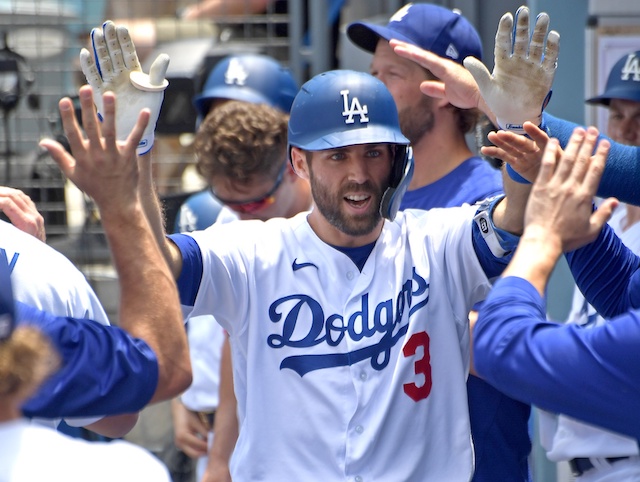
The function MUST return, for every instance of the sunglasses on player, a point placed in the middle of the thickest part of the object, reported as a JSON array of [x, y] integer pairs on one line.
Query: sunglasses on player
[[254, 205]]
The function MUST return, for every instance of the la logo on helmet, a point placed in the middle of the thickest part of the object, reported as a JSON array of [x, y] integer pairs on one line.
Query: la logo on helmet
[[354, 109], [631, 67], [235, 74]]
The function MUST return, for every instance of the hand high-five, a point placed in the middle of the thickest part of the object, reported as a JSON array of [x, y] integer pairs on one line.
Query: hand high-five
[[101, 166], [113, 66]]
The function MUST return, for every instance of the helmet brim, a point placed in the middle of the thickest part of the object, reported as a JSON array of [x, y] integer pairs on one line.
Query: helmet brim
[[371, 134]]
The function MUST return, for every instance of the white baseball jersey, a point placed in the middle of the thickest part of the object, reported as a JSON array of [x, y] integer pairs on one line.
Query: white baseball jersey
[[342, 374], [565, 438], [44, 278], [205, 348], [30, 453]]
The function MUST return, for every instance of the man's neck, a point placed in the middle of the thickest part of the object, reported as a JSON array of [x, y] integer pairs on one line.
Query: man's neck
[[436, 155]]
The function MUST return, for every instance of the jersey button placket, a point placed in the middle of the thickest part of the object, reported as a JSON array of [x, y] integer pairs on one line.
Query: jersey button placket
[[358, 478]]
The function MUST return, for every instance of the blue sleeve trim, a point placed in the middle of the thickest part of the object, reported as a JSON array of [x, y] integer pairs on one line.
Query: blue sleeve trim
[[191, 274], [104, 371]]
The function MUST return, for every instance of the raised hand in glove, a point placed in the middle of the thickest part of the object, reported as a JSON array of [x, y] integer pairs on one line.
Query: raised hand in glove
[[519, 88], [113, 66]]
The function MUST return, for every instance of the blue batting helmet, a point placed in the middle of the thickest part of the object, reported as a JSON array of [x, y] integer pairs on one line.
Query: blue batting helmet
[[342, 108], [197, 212], [254, 78], [623, 81]]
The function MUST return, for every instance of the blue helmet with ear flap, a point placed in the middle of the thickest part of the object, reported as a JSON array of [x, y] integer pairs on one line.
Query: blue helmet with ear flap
[[254, 78], [197, 212], [344, 107]]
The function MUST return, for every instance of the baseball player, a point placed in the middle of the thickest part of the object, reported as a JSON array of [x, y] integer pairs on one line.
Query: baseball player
[[32, 453], [324, 371]]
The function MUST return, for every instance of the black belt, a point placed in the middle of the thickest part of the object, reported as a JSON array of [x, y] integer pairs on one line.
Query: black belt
[[207, 418], [580, 465]]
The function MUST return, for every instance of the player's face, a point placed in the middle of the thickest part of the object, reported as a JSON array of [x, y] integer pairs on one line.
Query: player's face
[[347, 186], [403, 77], [624, 121], [261, 197]]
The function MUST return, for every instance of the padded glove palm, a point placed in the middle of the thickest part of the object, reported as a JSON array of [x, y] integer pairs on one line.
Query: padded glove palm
[[114, 66], [519, 88]]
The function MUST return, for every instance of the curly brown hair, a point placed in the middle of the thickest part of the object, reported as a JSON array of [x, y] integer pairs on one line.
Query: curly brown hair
[[27, 358], [240, 141]]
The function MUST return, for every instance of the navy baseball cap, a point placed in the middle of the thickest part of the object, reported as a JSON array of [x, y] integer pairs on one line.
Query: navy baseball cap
[[7, 307], [430, 27], [623, 81]]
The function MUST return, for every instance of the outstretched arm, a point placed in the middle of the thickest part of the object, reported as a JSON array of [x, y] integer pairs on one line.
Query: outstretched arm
[[225, 425], [587, 374], [113, 66], [107, 171]]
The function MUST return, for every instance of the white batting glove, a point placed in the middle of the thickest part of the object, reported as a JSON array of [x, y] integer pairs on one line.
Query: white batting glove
[[114, 66], [519, 88]]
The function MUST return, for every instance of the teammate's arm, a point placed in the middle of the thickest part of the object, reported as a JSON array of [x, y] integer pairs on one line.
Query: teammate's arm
[[561, 368], [113, 66], [225, 424], [107, 171]]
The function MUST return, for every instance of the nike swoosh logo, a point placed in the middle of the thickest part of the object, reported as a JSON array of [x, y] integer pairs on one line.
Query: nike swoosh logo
[[296, 266]]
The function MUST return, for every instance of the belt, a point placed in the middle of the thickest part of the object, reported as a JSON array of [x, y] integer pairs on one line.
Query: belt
[[207, 418], [581, 465]]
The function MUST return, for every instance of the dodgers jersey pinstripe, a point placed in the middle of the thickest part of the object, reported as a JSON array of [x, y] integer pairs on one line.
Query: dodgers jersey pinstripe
[[341, 374]]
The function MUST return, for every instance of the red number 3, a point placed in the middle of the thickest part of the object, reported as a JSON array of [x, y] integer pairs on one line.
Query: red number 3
[[421, 366]]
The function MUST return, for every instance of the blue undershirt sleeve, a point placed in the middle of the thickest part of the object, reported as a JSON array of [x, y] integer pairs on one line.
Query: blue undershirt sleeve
[[607, 273], [621, 178], [589, 374], [191, 275], [104, 370]]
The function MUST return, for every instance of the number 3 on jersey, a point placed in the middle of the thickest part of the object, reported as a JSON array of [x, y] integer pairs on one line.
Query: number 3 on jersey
[[422, 366]]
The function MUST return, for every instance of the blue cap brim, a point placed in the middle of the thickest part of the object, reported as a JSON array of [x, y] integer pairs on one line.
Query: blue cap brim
[[366, 35], [622, 92]]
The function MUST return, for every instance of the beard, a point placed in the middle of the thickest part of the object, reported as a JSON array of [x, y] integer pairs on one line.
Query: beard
[[329, 203], [417, 120]]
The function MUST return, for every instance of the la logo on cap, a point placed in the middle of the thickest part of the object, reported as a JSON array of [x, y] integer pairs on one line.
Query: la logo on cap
[[631, 68], [354, 109], [235, 73], [400, 14]]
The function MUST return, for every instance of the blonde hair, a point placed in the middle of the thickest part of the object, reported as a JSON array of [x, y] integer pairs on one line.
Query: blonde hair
[[27, 358]]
